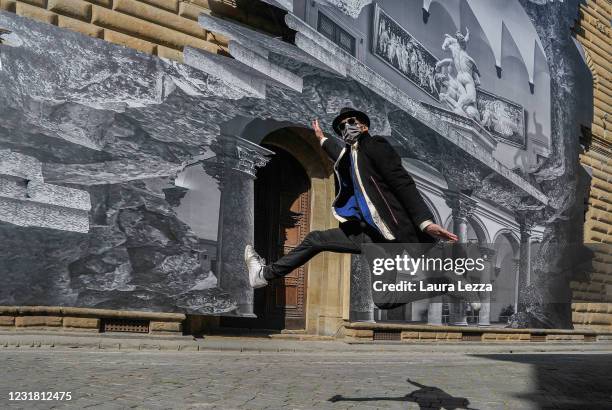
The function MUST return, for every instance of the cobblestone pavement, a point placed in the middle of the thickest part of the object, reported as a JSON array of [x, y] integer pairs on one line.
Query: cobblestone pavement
[[329, 380]]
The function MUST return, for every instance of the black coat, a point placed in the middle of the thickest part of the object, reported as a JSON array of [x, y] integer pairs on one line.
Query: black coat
[[391, 194]]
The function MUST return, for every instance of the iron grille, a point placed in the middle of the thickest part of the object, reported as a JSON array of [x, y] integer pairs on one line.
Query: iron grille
[[538, 338], [125, 325], [590, 338], [387, 335]]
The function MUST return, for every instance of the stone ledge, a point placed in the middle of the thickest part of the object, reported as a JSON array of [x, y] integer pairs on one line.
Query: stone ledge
[[55, 318], [464, 329], [89, 313], [365, 332]]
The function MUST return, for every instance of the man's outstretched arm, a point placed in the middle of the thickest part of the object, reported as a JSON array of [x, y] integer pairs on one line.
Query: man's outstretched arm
[[389, 164]]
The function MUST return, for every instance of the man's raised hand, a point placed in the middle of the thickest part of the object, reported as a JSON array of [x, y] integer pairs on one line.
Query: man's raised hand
[[437, 231], [317, 129]]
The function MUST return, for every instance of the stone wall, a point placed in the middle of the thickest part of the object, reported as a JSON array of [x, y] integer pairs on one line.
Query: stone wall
[[158, 27], [594, 33]]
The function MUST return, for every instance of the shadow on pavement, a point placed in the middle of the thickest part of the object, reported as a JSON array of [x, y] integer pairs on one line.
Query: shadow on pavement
[[427, 397], [565, 381]]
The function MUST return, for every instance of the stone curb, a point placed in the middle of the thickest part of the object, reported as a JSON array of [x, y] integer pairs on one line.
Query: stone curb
[[115, 342]]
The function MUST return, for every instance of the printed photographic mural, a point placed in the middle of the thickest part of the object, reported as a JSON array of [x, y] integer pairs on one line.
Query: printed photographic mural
[[126, 183], [453, 81]]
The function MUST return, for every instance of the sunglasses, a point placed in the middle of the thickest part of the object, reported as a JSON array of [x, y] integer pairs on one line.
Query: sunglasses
[[351, 121]]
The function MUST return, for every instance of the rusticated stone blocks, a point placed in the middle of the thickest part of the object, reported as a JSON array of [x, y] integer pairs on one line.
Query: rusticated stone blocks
[[38, 321], [489, 337], [81, 323], [574, 338], [359, 334], [430, 336], [140, 24], [165, 327]]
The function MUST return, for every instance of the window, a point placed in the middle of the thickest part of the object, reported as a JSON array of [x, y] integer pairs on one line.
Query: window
[[336, 34]]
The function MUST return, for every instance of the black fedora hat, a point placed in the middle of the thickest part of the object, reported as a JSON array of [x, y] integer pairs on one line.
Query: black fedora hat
[[348, 112]]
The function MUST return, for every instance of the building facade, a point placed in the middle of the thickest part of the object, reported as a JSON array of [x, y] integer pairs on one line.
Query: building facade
[[176, 132], [592, 298]]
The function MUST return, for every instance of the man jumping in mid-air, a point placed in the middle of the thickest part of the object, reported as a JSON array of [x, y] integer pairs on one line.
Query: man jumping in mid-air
[[376, 201]]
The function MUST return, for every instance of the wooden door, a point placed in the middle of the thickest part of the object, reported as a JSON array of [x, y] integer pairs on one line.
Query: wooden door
[[282, 220]]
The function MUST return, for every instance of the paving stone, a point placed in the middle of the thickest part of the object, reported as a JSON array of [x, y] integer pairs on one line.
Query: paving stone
[[441, 378]]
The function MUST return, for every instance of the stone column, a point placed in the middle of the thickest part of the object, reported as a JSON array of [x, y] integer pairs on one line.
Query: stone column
[[516, 263], [434, 312], [526, 224], [362, 307], [462, 207], [234, 167], [484, 315]]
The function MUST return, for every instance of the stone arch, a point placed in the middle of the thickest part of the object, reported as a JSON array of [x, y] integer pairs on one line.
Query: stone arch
[[479, 228], [475, 226], [432, 208], [512, 237]]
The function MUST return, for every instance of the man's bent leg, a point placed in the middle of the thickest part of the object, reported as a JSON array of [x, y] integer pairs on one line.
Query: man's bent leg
[[332, 240]]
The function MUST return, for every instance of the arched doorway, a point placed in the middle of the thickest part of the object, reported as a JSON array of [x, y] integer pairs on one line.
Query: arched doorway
[[282, 219], [325, 293]]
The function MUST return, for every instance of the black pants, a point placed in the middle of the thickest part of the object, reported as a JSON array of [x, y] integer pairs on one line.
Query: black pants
[[348, 238]]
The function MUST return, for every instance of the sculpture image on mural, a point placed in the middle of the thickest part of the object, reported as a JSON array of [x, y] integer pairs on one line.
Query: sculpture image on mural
[[459, 91], [502, 117], [453, 81], [403, 52]]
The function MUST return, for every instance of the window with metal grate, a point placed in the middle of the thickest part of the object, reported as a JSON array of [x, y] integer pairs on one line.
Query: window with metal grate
[[335, 33]]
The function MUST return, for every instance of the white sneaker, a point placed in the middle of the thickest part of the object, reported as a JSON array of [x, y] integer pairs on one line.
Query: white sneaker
[[255, 265]]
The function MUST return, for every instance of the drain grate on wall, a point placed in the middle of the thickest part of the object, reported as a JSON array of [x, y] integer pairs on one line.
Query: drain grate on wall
[[471, 337], [538, 338], [387, 335], [125, 325]]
